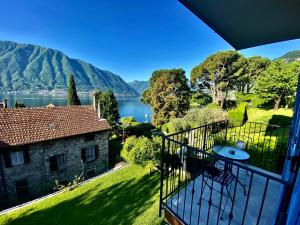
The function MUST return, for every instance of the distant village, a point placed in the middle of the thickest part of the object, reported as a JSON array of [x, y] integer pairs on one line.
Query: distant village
[[54, 92]]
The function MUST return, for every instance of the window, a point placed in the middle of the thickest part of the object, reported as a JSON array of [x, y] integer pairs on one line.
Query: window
[[22, 189], [61, 160], [90, 153], [58, 162], [17, 158]]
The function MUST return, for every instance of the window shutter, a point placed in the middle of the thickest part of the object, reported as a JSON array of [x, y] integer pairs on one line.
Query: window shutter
[[7, 159], [53, 163], [26, 154], [96, 148], [83, 154]]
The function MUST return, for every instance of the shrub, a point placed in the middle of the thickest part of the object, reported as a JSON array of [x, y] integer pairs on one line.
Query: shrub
[[139, 129], [142, 151], [253, 99], [201, 99], [197, 117], [127, 120], [238, 116], [229, 104], [71, 185]]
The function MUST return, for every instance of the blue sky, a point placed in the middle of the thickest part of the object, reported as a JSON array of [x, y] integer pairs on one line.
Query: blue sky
[[131, 38]]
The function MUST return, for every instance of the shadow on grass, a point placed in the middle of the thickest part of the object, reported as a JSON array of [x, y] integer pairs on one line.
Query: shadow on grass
[[121, 203], [280, 120]]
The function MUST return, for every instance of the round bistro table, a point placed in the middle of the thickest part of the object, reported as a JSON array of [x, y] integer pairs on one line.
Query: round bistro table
[[231, 154], [225, 152]]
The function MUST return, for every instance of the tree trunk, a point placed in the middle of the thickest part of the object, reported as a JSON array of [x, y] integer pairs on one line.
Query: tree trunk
[[277, 102], [248, 88], [220, 98], [214, 95]]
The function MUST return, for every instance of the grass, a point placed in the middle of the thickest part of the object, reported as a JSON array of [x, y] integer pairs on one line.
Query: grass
[[266, 116], [128, 196], [267, 145]]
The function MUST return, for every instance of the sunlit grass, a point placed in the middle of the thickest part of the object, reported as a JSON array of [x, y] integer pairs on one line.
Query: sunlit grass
[[128, 196], [264, 115]]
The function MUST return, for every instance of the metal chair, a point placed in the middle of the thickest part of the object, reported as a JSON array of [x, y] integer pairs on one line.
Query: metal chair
[[242, 145], [205, 167]]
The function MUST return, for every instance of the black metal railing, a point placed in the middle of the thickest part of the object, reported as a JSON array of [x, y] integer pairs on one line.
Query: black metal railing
[[194, 197], [266, 144]]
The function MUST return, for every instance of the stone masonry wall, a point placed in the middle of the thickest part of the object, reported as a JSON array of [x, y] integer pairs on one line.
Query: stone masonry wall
[[41, 179]]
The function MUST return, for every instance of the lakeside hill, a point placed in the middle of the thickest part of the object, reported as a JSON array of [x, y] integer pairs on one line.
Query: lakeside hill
[[139, 86], [291, 56], [31, 67]]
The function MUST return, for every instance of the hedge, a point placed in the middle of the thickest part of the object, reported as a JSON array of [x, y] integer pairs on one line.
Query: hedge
[[238, 116], [253, 99]]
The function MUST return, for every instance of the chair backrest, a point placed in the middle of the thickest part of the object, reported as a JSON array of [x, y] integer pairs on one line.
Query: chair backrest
[[240, 144]]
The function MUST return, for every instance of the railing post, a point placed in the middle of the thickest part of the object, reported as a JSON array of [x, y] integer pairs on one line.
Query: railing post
[[161, 175], [226, 130], [204, 138]]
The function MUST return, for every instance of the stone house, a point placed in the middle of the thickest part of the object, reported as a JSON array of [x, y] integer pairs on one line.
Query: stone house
[[41, 145]]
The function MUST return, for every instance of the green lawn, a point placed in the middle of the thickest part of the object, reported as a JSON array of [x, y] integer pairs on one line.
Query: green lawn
[[267, 145], [278, 117], [128, 196]]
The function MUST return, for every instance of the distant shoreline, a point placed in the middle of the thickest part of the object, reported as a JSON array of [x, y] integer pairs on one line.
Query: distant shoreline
[[58, 93]]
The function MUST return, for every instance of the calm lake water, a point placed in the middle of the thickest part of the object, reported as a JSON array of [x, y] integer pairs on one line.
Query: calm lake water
[[128, 106]]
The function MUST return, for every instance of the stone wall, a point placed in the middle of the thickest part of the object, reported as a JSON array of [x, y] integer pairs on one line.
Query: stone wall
[[40, 179]]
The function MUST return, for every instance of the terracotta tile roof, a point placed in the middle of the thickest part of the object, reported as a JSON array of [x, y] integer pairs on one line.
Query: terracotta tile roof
[[30, 125]]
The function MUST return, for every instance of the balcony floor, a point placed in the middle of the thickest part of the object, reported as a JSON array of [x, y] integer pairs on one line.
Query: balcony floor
[[176, 203]]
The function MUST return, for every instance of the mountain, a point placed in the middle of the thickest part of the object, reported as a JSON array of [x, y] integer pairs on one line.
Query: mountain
[[139, 86], [31, 67], [291, 56]]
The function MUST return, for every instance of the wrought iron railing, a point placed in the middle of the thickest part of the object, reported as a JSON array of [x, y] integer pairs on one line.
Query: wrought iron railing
[[182, 177], [266, 144]]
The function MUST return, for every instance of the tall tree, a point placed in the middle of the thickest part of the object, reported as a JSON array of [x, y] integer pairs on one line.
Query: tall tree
[[72, 93], [278, 82], [169, 95], [250, 70], [217, 73], [109, 107]]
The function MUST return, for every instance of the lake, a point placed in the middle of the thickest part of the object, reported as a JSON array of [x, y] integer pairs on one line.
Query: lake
[[128, 106]]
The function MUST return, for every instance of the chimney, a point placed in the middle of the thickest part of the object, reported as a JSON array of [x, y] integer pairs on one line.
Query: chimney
[[95, 100], [3, 104], [99, 111]]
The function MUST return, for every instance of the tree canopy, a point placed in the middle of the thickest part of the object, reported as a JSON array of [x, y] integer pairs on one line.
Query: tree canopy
[[72, 93], [169, 95], [278, 82], [145, 96], [250, 70], [108, 106], [218, 73], [19, 105]]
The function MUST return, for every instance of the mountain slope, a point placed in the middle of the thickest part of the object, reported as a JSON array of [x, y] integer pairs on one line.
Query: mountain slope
[[291, 56], [139, 86], [31, 67]]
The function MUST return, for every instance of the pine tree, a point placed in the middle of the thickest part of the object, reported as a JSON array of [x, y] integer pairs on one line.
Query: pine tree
[[72, 93], [109, 107]]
